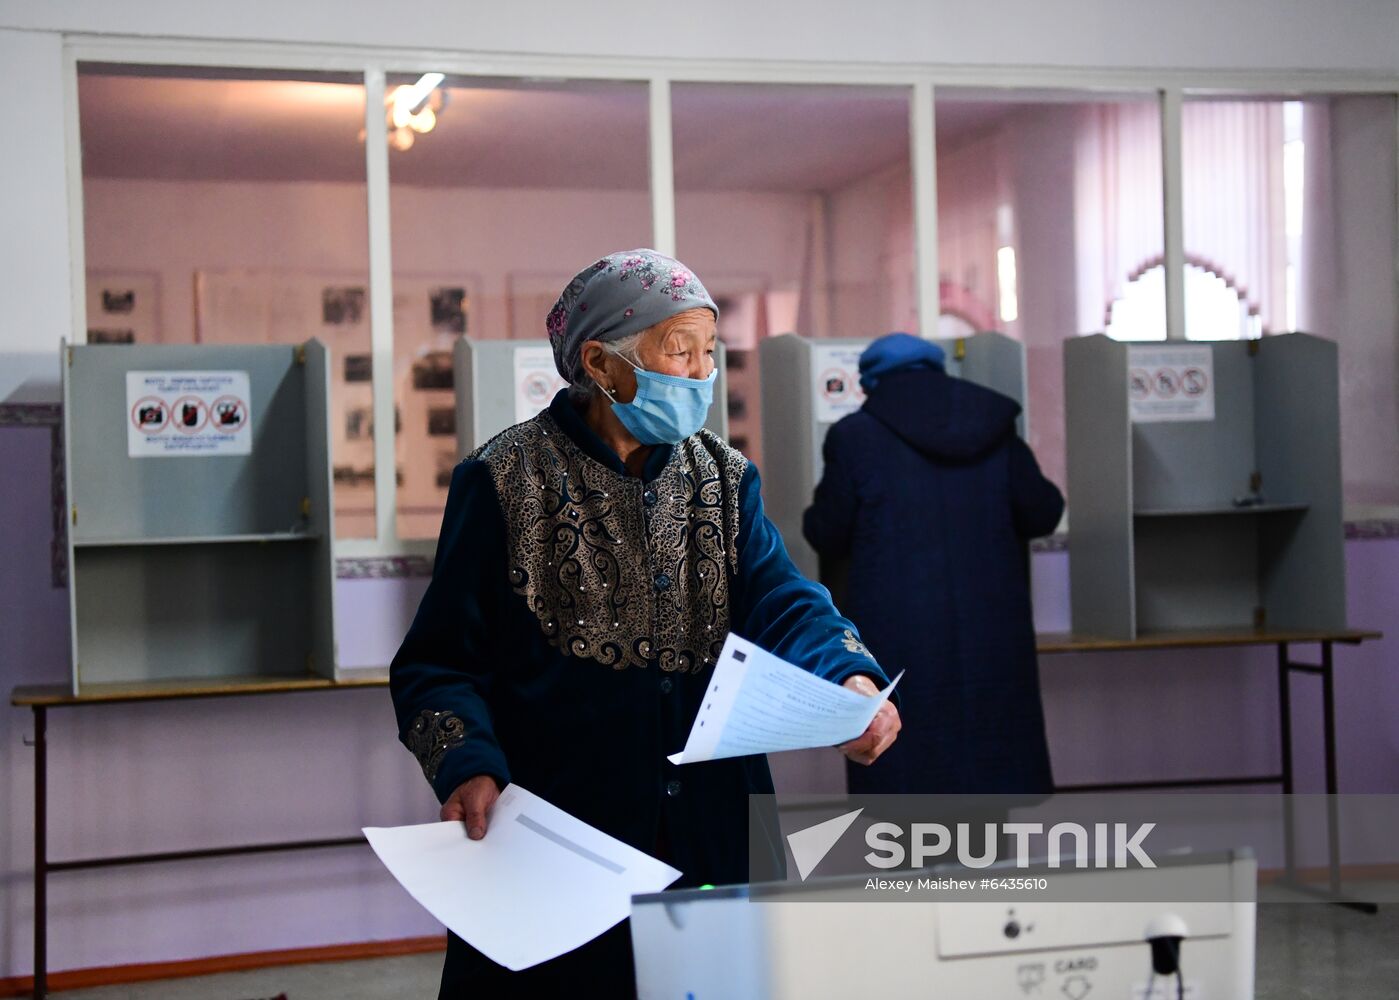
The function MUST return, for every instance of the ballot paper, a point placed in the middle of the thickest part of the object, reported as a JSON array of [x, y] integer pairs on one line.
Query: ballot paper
[[539, 884], [759, 703]]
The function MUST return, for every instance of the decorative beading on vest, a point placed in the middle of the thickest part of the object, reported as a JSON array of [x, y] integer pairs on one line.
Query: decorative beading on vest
[[617, 570]]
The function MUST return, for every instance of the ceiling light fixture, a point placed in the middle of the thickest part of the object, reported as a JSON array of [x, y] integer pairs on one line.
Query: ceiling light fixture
[[413, 109]]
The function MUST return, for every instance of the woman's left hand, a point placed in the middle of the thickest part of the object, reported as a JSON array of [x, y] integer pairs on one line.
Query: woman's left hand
[[883, 728]]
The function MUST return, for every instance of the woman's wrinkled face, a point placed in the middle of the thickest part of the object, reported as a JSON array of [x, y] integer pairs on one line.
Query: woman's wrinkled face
[[681, 345]]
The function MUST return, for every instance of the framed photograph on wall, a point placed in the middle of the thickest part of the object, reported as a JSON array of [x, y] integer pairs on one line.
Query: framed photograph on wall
[[431, 312], [343, 305], [447, 309], [123, 307]]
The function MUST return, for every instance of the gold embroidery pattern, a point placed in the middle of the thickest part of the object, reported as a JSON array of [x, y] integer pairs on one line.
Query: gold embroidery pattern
[[573, 527], [431, 736], [855, 645]]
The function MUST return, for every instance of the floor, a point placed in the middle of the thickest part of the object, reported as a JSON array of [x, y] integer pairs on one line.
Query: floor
[[1305, 952]]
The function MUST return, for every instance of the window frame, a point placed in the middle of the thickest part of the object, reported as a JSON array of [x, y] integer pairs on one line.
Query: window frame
[[1170, 88]]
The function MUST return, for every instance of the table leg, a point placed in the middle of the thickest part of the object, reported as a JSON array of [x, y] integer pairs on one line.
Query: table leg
[[41, 862], [1333, 823], [1332, 894], [1285, 729]]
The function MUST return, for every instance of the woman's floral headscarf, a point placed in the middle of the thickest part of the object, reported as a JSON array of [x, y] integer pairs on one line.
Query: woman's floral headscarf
[[623, 293]]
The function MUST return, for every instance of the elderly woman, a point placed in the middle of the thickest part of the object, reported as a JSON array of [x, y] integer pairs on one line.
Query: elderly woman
[[591, 562]]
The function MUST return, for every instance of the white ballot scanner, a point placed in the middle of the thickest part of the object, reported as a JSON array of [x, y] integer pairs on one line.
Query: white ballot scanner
[[739, 942]]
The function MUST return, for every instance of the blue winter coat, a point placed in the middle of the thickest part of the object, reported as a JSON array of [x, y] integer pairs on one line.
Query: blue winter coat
[[928, 500]]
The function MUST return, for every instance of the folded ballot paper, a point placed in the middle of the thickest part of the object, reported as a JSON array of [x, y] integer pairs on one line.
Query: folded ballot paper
[[758, 703], [539, 884]]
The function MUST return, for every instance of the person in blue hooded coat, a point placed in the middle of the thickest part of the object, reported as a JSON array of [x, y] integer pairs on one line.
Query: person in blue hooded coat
[[928, 501]]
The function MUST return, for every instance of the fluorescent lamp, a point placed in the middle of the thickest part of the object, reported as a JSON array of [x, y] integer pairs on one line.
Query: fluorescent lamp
[[413, 97], [1005, 282]]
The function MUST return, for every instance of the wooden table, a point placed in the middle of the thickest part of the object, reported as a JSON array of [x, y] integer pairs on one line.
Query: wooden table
[[1061, 642]]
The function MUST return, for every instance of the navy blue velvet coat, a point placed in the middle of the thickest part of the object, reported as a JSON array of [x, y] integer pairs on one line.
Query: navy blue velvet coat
[[590, 737], [927, 502]]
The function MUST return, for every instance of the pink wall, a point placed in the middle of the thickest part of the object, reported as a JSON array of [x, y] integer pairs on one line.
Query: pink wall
[[873, 256], [972, 183], [1039, 165], [1348, 290], [493, 236]]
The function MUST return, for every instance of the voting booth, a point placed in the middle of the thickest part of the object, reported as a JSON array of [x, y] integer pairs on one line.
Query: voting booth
[[199, 513], [807, 385], [1204, 485], [752, 941], [503, 382]]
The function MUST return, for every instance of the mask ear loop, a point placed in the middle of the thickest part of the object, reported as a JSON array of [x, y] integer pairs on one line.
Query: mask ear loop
[[607, 392]]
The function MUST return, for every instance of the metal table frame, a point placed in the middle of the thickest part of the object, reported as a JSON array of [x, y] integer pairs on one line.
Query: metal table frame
[[41, 699], [1286, 666]]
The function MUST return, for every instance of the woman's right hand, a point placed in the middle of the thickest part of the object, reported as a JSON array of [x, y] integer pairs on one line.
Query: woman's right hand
[[470, 802]]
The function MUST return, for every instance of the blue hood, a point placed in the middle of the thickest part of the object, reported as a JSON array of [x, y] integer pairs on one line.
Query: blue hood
[[941, 416]]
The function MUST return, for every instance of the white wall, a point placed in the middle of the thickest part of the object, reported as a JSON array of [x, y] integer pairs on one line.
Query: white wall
[[1358, 35], [35, 302]]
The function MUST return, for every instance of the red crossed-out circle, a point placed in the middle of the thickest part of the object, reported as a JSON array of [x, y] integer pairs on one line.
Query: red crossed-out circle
[[136, 414], [537, 388], [227, 428], [179, 423], [1167, 382], [1194, 381], [843, 392]]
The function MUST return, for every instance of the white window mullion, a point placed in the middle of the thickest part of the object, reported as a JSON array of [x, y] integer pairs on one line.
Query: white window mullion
[[376, 169], [73, 161], [1173, 205], [923, 141], [662, 169]]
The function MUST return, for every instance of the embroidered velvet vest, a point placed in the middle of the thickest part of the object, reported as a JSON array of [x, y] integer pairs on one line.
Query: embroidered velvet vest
[[617, 570]]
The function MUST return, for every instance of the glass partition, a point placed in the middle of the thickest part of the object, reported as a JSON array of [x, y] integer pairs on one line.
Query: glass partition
[[1049, 215], [225, 206], [795, 205], [500, 191]]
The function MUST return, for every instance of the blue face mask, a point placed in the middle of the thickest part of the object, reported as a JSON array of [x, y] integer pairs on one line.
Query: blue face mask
[[667, 408]]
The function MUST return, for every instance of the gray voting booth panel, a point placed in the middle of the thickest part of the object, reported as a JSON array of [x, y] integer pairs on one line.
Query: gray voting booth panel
[[731, 942], [502, 382], [1229, 520], [200, 567], [809, 384]]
